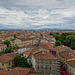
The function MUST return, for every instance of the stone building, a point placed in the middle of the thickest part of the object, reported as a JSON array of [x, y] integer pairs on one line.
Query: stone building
[[44, 62]]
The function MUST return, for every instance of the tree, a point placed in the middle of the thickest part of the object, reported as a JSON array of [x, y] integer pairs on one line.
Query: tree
[[67, 39], [57, 33], [73, 46], [15, 47], [21, 61], [58, 43], [8, 50], [51, 34], [17, 60], [57, 37], [7, 42], [15, 37], [71, 39]]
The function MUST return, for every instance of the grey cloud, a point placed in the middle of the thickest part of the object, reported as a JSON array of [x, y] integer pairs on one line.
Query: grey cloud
[[36, 4], [37, 13]]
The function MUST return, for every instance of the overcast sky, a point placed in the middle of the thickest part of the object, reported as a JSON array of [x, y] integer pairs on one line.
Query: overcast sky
[[36, 14]]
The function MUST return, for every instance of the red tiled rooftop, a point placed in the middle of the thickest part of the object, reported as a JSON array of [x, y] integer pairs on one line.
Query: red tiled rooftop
[[2, 44], [62, 47], [24, 39], [30, 56], [45, 46], [19, 71], [12, 54], [7, 57], [72, 63], [16, 71], [36, 48], [67, 55], [26, 52], [43, 55], [3, 72]]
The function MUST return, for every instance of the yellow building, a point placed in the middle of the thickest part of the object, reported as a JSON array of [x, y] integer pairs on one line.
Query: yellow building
[[15, 42], [61, 48], [65, 57], [71, 67], [6, 61], [21, 42], [2, 47]]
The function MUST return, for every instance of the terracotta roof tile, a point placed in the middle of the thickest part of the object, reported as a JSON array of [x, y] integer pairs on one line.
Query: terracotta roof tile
[[2, 44], [19, 71], [26, 52], [62, 47], [16, 71], [67, 55], [7, 57], [43, 46], [46, 46], [72, 63], [24, 39], [30, 56], [43, 55], [36, 48]]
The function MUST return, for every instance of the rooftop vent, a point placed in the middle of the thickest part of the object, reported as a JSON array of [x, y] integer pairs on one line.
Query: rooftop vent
[[62, 45]]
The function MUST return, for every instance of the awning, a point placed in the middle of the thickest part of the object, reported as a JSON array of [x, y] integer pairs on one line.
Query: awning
[[62, 67], [64, 72]]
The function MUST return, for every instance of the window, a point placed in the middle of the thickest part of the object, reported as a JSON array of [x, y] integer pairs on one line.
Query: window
[[38, 61], [50, 62], [2, 64], [42, 67], [22, 54], [9, 63], [50, 68], [54, 62], [37, 67], [45, 67], [8, 70], [41, 62], [46, 62]]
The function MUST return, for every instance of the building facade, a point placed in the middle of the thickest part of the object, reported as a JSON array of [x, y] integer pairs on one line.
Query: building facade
[[22, 42], [2, 47], [44, 62], [7, 61], [71, 67]]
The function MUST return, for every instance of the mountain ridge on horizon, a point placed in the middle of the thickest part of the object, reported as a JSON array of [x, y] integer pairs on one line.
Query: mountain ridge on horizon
[[35, 29]]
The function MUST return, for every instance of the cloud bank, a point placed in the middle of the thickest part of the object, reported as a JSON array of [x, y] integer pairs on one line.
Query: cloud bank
[[36, 14]]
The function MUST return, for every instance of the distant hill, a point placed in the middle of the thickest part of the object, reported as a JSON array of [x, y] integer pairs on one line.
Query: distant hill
[[36, 29]]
